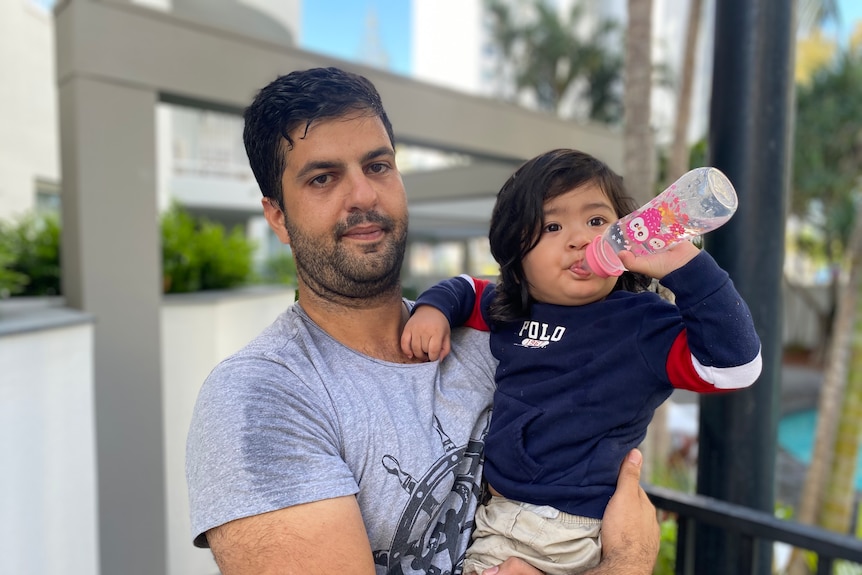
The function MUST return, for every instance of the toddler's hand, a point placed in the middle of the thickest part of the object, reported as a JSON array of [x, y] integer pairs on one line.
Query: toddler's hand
[[659, 265], [426, 334]]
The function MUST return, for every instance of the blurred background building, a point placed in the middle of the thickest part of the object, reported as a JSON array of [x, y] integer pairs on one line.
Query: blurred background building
[[201, 160]]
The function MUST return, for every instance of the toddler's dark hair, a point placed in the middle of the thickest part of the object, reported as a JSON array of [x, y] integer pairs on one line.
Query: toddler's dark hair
[[516, 222]]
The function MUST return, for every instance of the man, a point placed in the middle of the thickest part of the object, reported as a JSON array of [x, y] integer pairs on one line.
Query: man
[[320, 447]]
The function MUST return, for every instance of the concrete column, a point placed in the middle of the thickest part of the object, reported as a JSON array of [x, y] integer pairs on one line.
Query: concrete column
[[112, 269]]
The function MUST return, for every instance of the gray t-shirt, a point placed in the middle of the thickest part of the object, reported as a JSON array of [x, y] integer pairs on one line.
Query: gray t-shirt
[[296, 417]]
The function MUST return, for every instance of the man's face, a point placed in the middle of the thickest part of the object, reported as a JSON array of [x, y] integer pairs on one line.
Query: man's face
[[345, 209]]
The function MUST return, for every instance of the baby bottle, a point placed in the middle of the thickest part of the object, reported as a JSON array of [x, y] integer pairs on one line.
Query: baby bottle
[[699, 202]]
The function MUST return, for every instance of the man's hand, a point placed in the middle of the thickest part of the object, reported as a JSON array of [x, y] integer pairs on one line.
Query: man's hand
[[630, 530]]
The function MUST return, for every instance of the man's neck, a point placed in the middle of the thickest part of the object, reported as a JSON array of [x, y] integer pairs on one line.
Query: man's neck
[[373, 328]]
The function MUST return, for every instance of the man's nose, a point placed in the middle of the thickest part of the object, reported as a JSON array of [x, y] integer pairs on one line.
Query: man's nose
[[362, 194]]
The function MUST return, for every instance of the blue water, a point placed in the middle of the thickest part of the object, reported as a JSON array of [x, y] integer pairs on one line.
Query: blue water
[[796, 435]]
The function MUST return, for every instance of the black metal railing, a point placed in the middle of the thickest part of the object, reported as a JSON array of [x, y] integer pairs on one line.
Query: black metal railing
[[752, 526]]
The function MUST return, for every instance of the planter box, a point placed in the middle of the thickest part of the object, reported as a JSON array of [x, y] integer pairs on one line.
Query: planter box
[[49, 489]]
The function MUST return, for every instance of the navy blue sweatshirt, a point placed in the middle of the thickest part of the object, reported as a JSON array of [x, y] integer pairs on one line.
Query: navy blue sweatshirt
[[578, 385]]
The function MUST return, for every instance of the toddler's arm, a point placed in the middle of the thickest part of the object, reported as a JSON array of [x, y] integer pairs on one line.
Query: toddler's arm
[[454, 302], [718, 349]]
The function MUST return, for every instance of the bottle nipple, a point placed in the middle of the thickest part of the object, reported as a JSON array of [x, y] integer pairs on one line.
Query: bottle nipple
[[602, 259]]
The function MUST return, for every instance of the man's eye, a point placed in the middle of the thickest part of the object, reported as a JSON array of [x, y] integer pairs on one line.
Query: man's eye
[[378, 168], [552, 227], [321, 180]]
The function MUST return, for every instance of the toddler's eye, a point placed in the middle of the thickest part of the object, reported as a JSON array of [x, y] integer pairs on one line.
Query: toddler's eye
[[552, 227], [597, 222]]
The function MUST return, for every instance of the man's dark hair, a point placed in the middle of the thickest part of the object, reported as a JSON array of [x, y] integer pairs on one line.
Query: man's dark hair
[[297, 99], [517, 219]]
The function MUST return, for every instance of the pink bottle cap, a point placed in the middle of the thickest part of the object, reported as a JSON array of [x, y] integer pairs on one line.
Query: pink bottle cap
[[602, 259]]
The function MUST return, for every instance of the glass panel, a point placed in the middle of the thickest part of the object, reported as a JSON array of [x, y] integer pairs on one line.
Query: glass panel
[[47, 196]]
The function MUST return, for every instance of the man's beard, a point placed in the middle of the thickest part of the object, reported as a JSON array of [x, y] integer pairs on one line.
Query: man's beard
[[329, 269]]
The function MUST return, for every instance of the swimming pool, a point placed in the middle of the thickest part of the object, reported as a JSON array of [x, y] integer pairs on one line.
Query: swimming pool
[[796, 435]]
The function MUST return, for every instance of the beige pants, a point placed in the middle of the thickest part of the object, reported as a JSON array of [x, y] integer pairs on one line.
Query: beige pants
[[553, 542]]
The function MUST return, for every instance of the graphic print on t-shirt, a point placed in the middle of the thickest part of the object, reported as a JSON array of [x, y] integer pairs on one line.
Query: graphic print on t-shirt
[[433, 526]]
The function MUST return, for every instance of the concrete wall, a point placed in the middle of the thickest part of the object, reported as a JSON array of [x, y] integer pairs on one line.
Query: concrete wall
[[49, 494]]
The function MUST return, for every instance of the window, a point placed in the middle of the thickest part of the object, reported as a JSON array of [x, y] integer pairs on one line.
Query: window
[[47, 196]]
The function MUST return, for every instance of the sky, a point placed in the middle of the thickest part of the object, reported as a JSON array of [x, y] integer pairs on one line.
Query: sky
[[851, 13], [340, 28]]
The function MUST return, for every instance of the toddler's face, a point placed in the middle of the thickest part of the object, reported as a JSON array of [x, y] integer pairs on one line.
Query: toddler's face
[[555, 268]]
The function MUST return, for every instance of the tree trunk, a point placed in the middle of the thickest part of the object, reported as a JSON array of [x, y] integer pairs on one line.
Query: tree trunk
[[838, 500], [832, 395], [639, 168], [678, 162], [639, 156]]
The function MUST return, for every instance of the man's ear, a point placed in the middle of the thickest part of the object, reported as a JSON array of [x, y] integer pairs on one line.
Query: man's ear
[[275, 218]]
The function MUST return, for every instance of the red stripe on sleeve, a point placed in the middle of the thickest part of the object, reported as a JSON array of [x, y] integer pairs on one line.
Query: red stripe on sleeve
[[476, 321], [680, 369]]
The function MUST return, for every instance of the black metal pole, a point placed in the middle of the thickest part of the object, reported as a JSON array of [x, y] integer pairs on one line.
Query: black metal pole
[[750, 141]]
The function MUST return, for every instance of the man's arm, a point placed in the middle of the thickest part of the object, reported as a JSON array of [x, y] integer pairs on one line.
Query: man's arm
[[329, 536], [630, 530], [326, 536]]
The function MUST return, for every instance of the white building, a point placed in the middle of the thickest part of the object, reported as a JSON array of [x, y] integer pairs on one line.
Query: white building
[[29, 141], [202, 162]]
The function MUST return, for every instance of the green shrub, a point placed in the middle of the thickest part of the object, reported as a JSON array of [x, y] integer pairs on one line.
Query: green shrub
[[198, 254], [410, 292], [31, 250], [11, 281], [279, 268], [666, 561]]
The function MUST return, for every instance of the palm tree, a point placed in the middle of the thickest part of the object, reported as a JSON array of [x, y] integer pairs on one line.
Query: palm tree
[[554, 60], [638, 142], [828, 491], [639, 169], [678, 162], [838, 501], [812, 13], [829, 480]]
